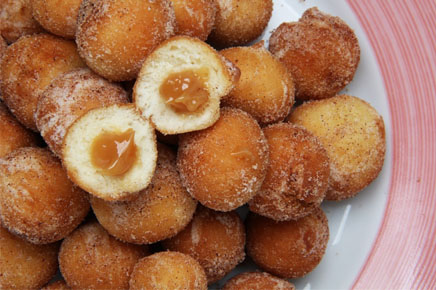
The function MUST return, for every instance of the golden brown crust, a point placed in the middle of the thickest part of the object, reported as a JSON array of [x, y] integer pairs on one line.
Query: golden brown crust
[[288, 249], [168, 271], [215, 239], [58, 17], [257, 281], [297, 178], [16, 20], [265, 89], [70, 96], [90, 258], [114, 37], [28, 67], [159, 212], [24, 265], [3, 46], [224, 165], [12, 134], [353, 134], [37, 201], [239, 22], [195, 17], [321, 51], [57, 285]]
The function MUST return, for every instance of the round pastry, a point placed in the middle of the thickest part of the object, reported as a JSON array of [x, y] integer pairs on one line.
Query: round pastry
[[168, 271], [215, 239], [24, 265], [224, 165], [58, 17], [68, 97], [195, 17], [353, 133], [110, 152], [90, 258], [16, 20], [160, 211], [114, 37], [257, 281], [297, 178], [265, 89], [12, 134], [288, 249], [28, 67], [37, 200], [180, 85], [57, 285], [240, 21], [321, 52]]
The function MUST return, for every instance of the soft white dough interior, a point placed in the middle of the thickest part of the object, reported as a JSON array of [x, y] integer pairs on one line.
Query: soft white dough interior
[[176, 56], [79, 140]]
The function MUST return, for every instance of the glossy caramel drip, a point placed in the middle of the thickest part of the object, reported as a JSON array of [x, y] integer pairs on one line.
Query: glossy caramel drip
[[185, 91], [114, 153]]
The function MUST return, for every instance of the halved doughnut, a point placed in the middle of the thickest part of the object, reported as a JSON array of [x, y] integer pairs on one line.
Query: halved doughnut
[[111, 152]]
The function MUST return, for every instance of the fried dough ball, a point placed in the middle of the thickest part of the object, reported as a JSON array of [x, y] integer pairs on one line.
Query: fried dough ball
[[288, 249], [195, 17], [16, 20], [215, 239], [257, 281], [24, 265], [58, 17], [90, 258], [224, 165], [114, 37], [70, 96], [57, 285], [37, 200], [168, 271], [240, 21], [353, 133], [297, 178], [321, 51], [12, 134], [265, 89], [28, 67], [162, 210]]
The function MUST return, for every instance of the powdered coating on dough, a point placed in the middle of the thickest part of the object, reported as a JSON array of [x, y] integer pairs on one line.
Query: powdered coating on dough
[[114, 37], [70, 96], [16, 20], [37, 201], [24, 265], [90, 258], [224, 165], [168, 271], [353, 134], [288, 249], [321, 51], [257, 281], [265, 88], [28, 67], [58, 17], [215, 239], [12, 134], [298, 174]]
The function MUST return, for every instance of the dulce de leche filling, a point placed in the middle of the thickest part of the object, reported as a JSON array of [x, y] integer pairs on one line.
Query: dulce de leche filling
[[113, 153], [185, 91]]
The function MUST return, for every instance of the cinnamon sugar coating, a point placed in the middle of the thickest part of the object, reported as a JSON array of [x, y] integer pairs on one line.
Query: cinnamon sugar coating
[[257, 281]]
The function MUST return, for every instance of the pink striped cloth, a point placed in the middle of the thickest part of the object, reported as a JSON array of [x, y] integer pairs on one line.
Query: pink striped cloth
[[403, 35]]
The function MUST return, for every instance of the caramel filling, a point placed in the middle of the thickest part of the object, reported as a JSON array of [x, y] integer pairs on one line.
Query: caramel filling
[[114, 153], [185, 91]]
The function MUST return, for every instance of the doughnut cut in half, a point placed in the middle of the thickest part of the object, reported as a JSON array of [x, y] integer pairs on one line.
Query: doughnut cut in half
[[181, 83], [111, 152]]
